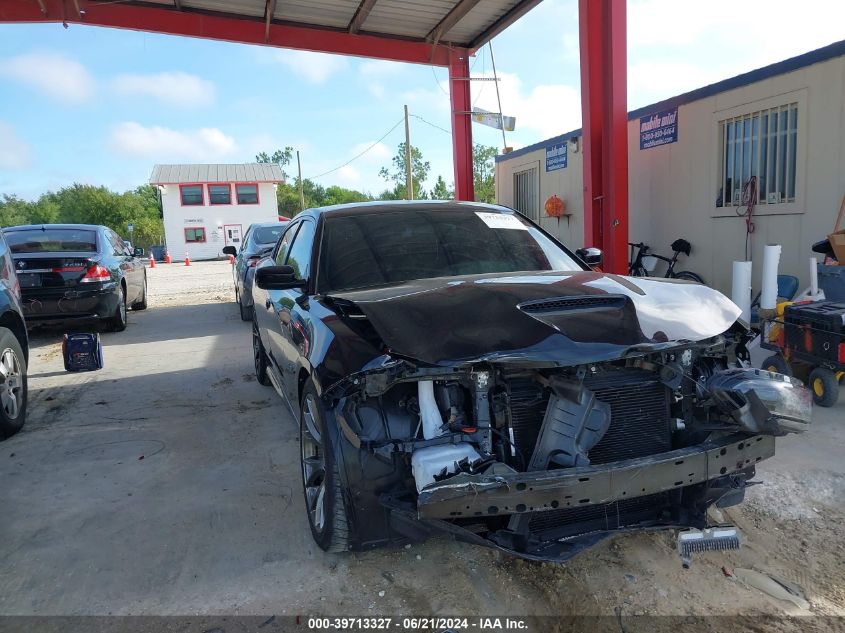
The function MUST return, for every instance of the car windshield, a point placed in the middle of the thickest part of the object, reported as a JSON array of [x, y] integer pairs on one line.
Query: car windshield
[[52, 241], [365, 250], [268, 234]]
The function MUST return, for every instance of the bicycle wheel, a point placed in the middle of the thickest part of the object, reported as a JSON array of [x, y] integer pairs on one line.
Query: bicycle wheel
[[637, 272], [689, 276]]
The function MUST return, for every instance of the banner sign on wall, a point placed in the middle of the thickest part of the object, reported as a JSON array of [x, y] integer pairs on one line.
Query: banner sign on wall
[[659, 129], [556, 156]]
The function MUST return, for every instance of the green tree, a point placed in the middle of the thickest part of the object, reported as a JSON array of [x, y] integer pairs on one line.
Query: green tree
[[396, 174], [441, 191], [280, 156], [483, 173]]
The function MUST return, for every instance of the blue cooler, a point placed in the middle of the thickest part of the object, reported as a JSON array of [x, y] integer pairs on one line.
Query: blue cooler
[[82, 352]]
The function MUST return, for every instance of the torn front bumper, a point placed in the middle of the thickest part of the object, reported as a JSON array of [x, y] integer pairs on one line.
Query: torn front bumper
[[468, 496]]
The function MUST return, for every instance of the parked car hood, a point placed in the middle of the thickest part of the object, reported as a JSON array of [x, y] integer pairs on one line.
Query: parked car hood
[[559, 318]]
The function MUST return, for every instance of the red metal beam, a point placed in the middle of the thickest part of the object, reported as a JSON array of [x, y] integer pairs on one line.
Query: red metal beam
[[605, 129], [230, 28], [459, 95]]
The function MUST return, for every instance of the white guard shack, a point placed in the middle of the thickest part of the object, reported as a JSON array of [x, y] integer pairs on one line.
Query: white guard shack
[[207, 207], [691, 156]]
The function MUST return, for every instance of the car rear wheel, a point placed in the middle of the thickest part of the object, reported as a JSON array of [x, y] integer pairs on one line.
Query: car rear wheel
[[13, 386], [141, 304], [320, 477], [259, 357], [117, 323]]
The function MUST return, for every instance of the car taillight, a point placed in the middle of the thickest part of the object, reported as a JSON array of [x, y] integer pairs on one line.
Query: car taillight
[[96, 273], [252, 262]]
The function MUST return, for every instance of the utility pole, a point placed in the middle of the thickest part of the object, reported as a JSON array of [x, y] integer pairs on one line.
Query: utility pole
[[498, 98], [301, 190], [409, 177]]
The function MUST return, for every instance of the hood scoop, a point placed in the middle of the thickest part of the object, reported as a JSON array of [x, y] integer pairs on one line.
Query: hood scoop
[[554, 305]]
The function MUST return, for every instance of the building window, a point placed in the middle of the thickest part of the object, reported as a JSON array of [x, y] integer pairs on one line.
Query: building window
[[247, 194], [191, 195], [762, 144], [525, 193], [220, 194], [195, 235]]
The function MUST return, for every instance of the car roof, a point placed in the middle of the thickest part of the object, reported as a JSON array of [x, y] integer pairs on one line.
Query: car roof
[[387, 206], [30, 227]]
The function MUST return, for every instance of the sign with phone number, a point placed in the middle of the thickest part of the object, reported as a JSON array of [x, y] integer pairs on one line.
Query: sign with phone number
[[660, 128]]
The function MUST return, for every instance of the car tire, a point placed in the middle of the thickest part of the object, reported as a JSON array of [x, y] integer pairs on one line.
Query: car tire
[[689, 276], [13, 390], [117, 322], [246, 311], [321, 488], [141, 304], [825, 386], [259, 356], [777, 364]]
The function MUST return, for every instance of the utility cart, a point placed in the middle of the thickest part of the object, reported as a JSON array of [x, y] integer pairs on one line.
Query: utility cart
[[808, 337]]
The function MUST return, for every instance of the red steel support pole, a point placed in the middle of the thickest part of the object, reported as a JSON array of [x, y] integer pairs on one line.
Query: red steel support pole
[[459, 95], [605, 129]]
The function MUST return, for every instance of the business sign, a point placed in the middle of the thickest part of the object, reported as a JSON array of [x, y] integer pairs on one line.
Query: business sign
[[493, 119], [659, 129], [556, 156]]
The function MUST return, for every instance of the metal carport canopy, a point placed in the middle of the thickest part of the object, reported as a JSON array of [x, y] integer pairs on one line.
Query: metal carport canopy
[[435, 32]]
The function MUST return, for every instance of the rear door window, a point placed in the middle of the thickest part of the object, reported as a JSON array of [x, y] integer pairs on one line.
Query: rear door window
[[52, 241]]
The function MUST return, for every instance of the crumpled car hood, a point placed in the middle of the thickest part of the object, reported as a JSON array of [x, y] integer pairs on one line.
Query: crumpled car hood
[[561, 318]]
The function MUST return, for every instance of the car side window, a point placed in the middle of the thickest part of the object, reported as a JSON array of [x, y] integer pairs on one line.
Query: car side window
[[117, 244], [284, 244], [299, 254]]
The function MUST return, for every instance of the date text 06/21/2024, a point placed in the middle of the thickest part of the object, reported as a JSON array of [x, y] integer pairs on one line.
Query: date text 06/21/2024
[[416, 624]]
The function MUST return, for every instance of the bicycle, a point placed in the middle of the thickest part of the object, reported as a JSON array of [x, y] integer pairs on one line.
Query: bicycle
[[643, 261]]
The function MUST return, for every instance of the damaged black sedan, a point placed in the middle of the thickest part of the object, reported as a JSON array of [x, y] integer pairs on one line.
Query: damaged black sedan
[[454, 369]]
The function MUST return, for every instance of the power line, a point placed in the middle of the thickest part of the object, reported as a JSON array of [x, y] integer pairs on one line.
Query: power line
[[357, 156], [442, 129]]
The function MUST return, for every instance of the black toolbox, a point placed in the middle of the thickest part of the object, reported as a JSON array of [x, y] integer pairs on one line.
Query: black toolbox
[[816, 328]]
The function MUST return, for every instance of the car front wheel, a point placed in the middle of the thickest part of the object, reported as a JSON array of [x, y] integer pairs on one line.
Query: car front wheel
[[320, 477], [13, 387]]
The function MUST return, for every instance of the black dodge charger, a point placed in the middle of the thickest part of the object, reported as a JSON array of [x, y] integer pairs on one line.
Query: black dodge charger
[[76, 272], [455, 369]]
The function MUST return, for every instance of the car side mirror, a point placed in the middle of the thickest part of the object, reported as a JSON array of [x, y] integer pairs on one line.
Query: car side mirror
[[591, 256], [230, 250], [138, 252], [277, 278]]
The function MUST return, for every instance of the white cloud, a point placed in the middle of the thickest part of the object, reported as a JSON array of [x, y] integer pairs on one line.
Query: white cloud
[[173, 88], [15, 153], [378, 151], [349, 176], [380, 68], [315, 68], [60, 78], [164, 144]]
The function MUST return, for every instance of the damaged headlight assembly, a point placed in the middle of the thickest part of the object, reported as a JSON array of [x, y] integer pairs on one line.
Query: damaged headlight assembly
[[762, 401]]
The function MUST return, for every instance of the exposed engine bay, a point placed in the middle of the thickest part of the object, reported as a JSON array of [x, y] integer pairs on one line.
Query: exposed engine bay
[[543, 461]]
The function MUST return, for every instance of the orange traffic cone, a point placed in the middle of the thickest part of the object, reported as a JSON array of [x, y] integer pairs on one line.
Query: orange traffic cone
[[167, 258], [152, 262], [187, 260]]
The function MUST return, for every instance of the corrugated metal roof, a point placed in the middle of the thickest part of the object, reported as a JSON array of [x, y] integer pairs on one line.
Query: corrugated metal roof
[[249, 172], [479, 20]]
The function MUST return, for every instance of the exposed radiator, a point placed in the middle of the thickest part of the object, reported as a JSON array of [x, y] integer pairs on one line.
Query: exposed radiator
[[639, 414], [609, 516]]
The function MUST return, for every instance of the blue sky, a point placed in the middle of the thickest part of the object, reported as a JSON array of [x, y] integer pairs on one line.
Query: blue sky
[[102, 106]]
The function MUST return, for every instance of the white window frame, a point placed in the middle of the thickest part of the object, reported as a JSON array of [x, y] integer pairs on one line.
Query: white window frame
[[524, 170], [796, 146]]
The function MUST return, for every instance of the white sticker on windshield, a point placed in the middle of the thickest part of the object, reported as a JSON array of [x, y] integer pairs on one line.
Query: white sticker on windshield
[[501, 221]]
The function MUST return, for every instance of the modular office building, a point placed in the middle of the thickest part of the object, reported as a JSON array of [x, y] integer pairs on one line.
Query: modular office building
[[691, 159], [207, 207]]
